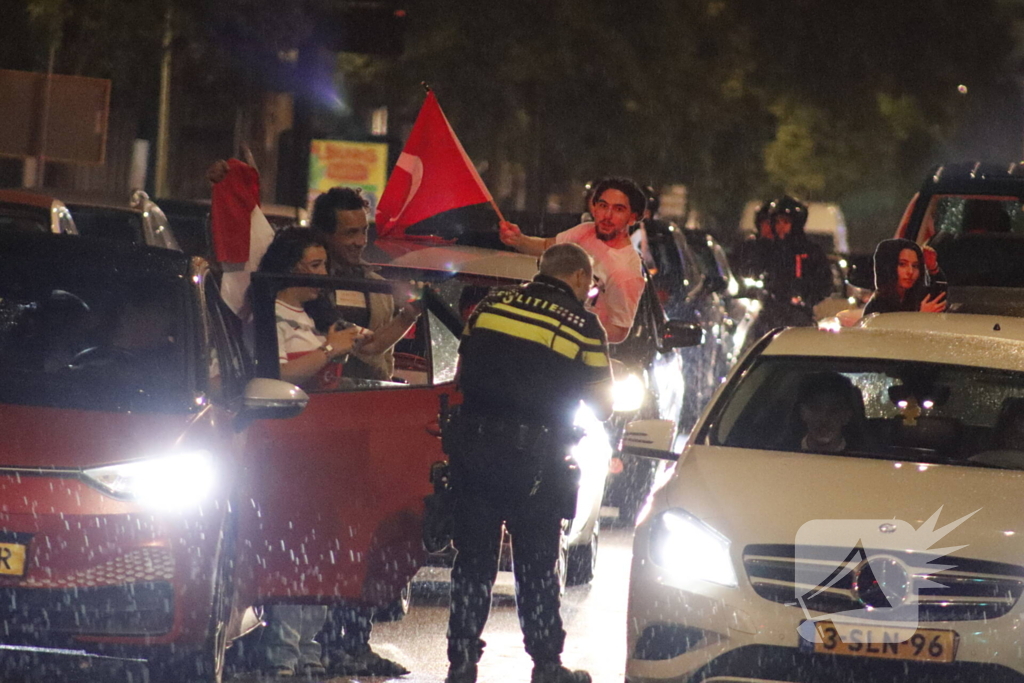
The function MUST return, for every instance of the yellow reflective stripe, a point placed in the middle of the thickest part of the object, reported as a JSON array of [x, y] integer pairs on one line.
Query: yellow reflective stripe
[[515, 328], [547, 318], [565, 347], [595, 359]]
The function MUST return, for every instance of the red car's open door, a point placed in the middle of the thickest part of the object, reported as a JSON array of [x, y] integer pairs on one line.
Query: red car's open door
[[334, 497]]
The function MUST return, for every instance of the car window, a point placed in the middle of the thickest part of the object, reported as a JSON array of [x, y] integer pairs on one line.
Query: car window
[[92, 339], [863, 407], [18, 218], [959, 215], [108, 224], [227, 371]]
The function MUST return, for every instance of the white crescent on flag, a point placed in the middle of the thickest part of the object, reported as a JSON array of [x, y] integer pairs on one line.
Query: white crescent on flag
[[412, 165]]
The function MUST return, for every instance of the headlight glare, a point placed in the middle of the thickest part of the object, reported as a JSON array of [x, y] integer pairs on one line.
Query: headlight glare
[[690, 550], [168, 482], [628, 394]]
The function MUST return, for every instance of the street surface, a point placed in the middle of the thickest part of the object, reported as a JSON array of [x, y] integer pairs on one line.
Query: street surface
[[594, 616]]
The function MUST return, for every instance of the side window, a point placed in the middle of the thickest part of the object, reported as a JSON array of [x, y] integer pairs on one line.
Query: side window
[[226, 360]]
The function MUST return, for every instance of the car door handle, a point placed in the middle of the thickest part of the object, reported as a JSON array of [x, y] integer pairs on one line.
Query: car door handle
[[433, 428]]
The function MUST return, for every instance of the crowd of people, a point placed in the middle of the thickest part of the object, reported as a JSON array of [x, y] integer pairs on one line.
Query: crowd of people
[[509, 442]]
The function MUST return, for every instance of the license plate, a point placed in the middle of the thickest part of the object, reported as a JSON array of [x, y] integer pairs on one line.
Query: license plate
[[12, 559], [885, 641]]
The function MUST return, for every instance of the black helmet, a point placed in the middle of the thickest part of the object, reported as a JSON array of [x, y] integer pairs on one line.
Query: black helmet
[[792, 207], [764, 211]]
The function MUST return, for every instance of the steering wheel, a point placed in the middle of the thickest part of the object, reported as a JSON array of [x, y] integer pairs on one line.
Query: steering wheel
[[101, 355]]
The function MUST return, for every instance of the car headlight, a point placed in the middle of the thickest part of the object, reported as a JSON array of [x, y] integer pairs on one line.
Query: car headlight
[[690, 550], [167, 482], [628, 394]]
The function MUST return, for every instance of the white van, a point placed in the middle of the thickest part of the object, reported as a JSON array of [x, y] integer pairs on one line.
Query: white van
[[826, 225]]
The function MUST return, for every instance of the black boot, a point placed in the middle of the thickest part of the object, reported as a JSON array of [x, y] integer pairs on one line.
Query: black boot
[[552, 672], [464, 672]]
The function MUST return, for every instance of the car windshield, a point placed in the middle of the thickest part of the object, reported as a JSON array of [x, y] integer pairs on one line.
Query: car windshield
[[108, 223], [864, 407], [90, 340]]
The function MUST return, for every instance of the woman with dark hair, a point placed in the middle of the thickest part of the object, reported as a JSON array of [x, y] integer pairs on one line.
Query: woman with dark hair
[[903, 279]]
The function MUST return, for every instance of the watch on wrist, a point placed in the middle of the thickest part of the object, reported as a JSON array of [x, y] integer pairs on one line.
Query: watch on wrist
[[328, 351]]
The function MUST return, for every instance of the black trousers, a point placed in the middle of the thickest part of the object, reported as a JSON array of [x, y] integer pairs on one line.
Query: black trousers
[[496, 482]]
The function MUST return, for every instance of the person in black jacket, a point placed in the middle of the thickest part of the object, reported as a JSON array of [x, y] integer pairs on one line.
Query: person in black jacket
[[906, 279]]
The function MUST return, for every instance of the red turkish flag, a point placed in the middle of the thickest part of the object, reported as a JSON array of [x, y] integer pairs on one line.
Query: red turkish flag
[[433, 175]]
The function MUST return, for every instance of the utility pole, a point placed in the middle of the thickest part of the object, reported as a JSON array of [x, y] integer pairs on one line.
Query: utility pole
[[164, 117]]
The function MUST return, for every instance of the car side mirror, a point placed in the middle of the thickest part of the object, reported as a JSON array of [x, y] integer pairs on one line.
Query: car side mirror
[[649, 439], [861, 272], [676, 334], [271, 399]]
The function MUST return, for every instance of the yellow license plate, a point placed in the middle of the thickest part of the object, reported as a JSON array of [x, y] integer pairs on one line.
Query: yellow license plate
[[12, 559], [886, 641]]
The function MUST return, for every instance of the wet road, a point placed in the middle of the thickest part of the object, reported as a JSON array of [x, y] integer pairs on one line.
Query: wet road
[[594, 616]]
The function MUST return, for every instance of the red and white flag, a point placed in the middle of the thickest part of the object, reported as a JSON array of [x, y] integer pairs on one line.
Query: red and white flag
[[433, 175], [240, 231]]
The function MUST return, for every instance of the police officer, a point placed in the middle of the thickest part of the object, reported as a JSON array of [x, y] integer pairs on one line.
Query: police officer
[[528, 356]]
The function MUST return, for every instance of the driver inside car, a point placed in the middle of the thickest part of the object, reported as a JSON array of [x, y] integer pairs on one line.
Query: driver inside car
[[826, 416]]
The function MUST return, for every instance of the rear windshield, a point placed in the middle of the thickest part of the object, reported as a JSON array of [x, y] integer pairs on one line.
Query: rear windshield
[[863, 407], [91, 339], [108, 224], [17, 218]]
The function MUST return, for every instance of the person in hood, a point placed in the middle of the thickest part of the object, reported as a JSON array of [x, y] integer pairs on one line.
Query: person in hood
[[906, 279]]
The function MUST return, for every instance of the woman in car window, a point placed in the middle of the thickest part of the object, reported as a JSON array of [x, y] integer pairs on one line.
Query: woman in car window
[[906, 279], [307, 358], [827, 416]]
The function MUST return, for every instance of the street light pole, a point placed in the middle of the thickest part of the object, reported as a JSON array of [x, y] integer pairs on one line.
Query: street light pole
[[164, 116]]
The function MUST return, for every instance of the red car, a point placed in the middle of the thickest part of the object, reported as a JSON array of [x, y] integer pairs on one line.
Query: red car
[[125, 403]]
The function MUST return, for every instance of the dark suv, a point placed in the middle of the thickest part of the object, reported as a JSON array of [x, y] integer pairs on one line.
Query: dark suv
[[971, 214]]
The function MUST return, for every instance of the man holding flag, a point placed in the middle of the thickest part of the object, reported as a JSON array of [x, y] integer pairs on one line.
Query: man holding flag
[[617, 205]]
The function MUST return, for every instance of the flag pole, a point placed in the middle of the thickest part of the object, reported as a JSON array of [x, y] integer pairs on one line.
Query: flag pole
[[494, 205]]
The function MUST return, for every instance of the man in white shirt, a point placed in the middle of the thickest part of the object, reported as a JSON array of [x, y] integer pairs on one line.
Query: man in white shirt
[[618, 204]]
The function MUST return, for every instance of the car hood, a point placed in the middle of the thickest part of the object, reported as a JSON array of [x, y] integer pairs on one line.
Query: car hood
[[72, 439], [754, 496]]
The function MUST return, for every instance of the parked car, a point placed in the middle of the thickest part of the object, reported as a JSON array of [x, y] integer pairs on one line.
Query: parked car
[[869, 531], [137, 221], [653, 384], [692, 285], [190, 222], [971, 214], [128, 527], [28, 211]]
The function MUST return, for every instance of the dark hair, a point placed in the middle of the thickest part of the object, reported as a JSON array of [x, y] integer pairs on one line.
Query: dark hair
[[562, 260], [637, 200], [336, 199], [287, 250], [819, 384], [886, 261]]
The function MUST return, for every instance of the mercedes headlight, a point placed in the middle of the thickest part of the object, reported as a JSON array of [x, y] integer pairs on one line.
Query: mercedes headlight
[[628, 394], [690, 550], [168, 482]]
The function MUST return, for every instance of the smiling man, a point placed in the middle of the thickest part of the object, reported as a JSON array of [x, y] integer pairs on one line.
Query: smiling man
[[618, 204]]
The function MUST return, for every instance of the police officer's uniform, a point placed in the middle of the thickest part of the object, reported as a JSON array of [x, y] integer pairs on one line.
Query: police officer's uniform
[[528, 356]]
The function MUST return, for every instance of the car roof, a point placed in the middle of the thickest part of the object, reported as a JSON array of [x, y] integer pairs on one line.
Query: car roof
[[452, 258], [71, 251], [947, 338], [27, 197], [108, 204], [976, 177]]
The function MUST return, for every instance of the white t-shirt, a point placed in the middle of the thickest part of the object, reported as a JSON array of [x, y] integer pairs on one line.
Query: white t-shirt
[[297, 336], [618, 272]]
